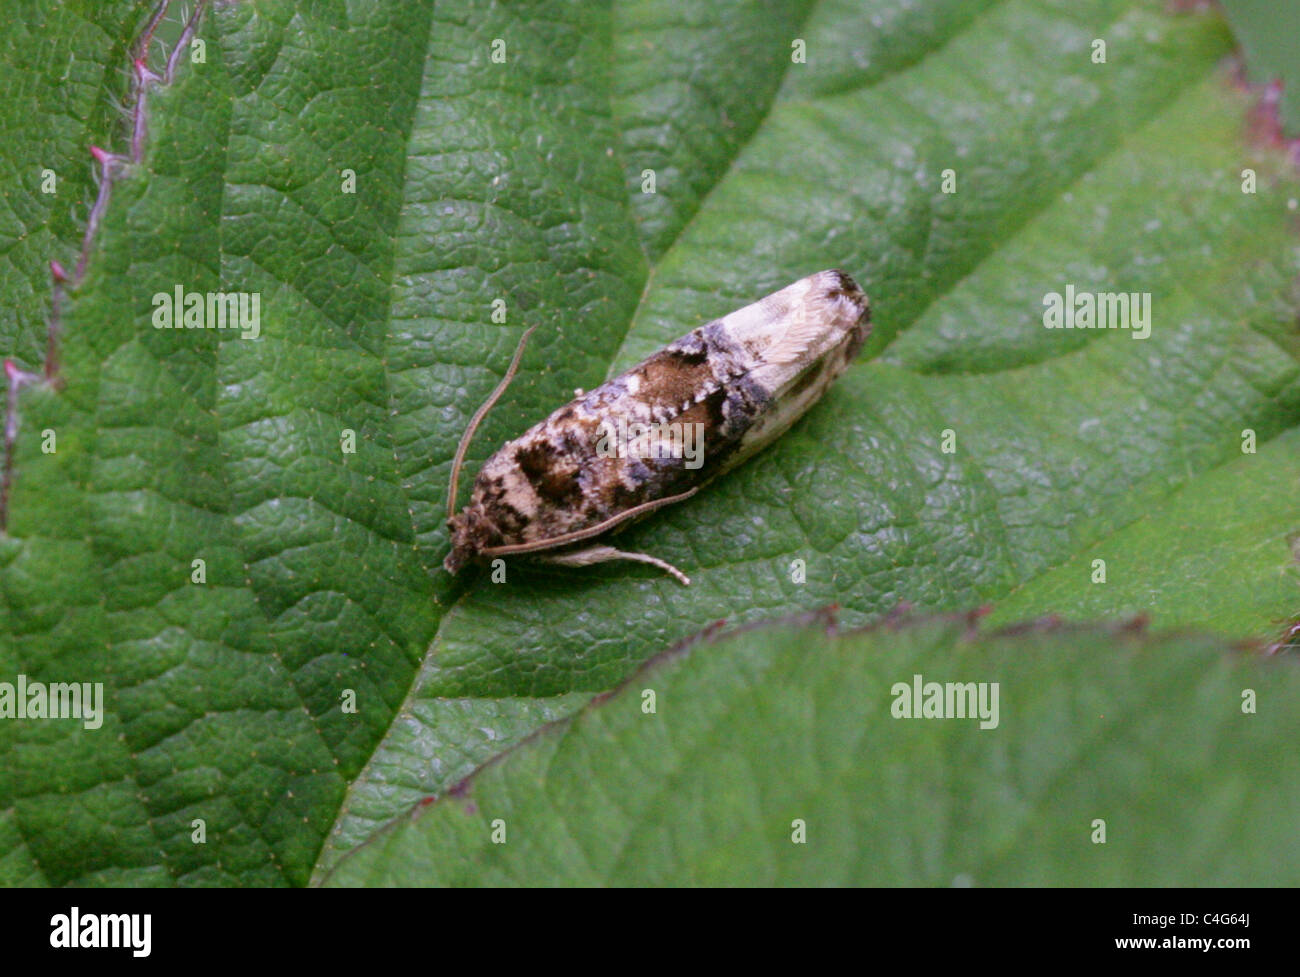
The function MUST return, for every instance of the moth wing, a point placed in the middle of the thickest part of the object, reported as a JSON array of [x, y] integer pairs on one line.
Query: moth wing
[[802, 333]]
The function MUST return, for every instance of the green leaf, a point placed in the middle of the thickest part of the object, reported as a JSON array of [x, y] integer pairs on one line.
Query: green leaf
[[521, 181], [756, 735], [1213, 556], [1269, 34], [64, 64]]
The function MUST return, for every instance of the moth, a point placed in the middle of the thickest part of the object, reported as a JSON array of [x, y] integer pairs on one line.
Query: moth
[[657, 433]]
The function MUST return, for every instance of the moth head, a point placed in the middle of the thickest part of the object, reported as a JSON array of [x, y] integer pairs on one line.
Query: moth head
[[467, 538], [471, 532]]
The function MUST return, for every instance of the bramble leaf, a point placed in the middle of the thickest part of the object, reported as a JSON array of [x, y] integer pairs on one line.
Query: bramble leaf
[[972, 456]]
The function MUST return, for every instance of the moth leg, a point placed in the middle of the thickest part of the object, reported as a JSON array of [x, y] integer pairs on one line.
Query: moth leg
[[606, 554]]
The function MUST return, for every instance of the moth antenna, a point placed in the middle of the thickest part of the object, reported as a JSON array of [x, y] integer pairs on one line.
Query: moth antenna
[[478, 417]]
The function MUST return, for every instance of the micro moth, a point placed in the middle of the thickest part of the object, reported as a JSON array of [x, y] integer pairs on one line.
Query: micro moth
[[657, 433]]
